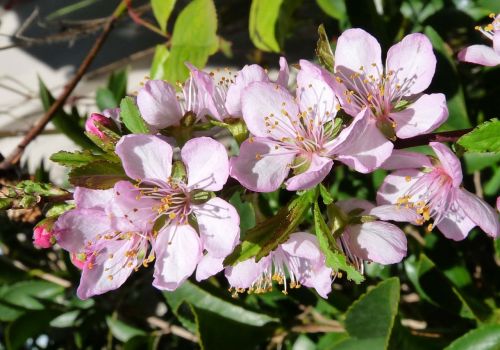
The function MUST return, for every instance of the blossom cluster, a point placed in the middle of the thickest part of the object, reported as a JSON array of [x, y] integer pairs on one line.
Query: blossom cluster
[[172, 210]]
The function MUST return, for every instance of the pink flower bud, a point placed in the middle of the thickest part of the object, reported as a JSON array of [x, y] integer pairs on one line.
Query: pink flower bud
[[95, 119], [42, 237], [78, 260]]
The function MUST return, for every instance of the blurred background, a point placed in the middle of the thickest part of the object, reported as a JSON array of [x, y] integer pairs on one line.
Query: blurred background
[[444, 289]]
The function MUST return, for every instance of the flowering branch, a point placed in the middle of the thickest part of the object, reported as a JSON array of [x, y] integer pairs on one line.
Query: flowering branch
[[15, 156], [420, 140]]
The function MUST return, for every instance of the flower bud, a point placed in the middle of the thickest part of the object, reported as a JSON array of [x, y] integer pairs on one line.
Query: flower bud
[[94, 121], [78, 260], [43, 237]]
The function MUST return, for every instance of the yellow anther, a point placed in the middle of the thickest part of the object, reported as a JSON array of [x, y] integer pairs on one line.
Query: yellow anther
[[172, 216], [407, 178], [258, 156]]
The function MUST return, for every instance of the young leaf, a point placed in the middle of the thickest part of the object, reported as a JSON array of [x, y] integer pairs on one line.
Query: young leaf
[[335, 259], [264, 16], [158, 64], [76, 159], [162, 10], [484, 138], [324, 50], [105, 99], [194, 39], [236, 127], [121, 330], [98, 175], [131, 117], [117, 84], [486, 337]]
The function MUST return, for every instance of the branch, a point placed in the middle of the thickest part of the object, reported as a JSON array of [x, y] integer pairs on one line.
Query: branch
[[15, 156], [420, 140]]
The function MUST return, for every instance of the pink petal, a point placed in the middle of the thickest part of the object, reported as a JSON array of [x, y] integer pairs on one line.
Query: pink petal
[[260, 167], [377, 241], [205, 99], [112, 259], [400, 159], [355, 49], [396, 213], [498, 203], [78, 226], [262, 100], [86, 198], [317, 171], [207, 164], [284, 73], [320, 279], [178, 251], [315, 92], [303, 245], [496, 42], [208, 266], [361, 145], [145, 156], [479, 212], [424, 115], [480, 54], [247, 75], [348, 205], [245, 273], [218, 224], [449, 162], [396, 185], [455, 225], [157, 102], [412, 59]]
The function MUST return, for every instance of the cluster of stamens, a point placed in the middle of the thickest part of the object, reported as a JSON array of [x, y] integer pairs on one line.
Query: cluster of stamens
[[489, 30]]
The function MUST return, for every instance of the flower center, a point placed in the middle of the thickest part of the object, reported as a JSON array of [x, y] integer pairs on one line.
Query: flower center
[[489, 30]]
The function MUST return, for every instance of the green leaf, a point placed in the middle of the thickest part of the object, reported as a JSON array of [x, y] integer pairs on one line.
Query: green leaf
[[236, 127], [77, 159], [267, 235], [117, 84], [264, 16], [484, 138], [333, 8], [162, 10], [335, 259], [65, 320], [479, 161], [324, 50], [194, 39], [370, 319], [29, 325], [105, 99], [65, 123], [56, 209], [6, 203], [131, 117], [203, 300], [486, 337], [122, 331], [97, 175], [158, 64], [325, 195], [40, 189], [26, 294], [245, 211]]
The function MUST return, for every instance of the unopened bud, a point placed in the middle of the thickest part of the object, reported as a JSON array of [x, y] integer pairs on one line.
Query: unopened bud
[[94, 121], [43, 236]]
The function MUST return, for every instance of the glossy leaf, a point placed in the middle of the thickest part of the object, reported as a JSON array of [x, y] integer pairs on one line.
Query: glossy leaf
[[484, 138], [162, 10], [131, 117], [486, 337], [97, 175], [264, 16], [121, 330]]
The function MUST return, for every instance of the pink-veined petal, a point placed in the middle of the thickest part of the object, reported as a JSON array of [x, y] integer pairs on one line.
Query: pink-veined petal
[[207, 164], [400, 159], [396, 185], [348, 205], [424, 115], [317, 171], [243, 274], [247, 75], [496, 41], [178, 251], [361, 145], [303, 245], [219, 226], [86, 198], [449, 161], [413, 63], [157, 102], [145, 156], [455, 225], [355, 49], [268, 110], [377, 241], [208, 266], [392, 212], [260, 167], [480, 54], [482, 214], [284, 73], [321, 280]]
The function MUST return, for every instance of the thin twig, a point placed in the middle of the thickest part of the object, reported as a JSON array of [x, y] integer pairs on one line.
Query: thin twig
[[445, 136], [167, 328], [15, 156]]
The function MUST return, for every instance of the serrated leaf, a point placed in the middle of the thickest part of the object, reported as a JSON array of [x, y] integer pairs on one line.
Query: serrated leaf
[[264, 16], [40, 189], [324, 50], [370, 319], [484, 138], [97, 175], [162, 10], [325, 195], [267, 235], [194, 39], [76, 159], [131, 117], [6, 203], [335, 259], [56, 209], [486, 337]]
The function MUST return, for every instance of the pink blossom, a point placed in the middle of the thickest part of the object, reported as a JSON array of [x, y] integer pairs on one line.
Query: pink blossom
[[178, 246], [482, 54], [95, 119], [294, 263], [436, 192], [43, 236], [299, 135], [393, 95], [367, 237]]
